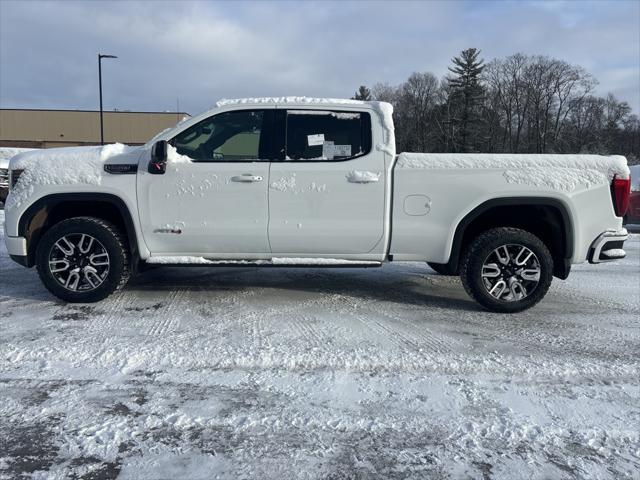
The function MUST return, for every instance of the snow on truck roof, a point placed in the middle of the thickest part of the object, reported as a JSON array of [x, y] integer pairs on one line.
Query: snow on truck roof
[[292, 100]]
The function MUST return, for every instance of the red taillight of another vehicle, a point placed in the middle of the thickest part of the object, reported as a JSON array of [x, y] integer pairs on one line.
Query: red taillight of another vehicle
[[620, 191]]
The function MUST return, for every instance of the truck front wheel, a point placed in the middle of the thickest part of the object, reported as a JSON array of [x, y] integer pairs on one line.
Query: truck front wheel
[[83, 259], [507, 270]]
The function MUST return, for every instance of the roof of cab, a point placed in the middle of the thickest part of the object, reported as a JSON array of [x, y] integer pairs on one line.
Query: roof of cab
[[291, 101]]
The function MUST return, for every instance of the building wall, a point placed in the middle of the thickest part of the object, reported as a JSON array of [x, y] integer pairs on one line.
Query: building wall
[[60, 128]]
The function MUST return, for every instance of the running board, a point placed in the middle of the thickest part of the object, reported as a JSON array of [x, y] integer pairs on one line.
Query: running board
[[274, 262]]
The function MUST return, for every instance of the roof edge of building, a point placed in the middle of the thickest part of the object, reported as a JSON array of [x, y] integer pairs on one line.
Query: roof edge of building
[[89, 111]]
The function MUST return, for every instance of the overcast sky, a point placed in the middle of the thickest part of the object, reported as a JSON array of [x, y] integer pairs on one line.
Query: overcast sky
[[198, 52]]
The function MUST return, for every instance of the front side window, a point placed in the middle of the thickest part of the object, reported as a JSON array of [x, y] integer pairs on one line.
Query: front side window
[[226, 137], [316, 135]]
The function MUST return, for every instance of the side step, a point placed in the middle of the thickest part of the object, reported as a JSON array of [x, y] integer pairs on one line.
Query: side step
[[273, 262]]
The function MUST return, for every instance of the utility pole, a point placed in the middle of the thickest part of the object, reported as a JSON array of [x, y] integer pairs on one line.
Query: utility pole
[[100, 57]]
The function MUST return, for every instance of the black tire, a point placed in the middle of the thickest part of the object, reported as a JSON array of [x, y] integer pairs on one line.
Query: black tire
[[110, 239], [479, 251], [442, 269]]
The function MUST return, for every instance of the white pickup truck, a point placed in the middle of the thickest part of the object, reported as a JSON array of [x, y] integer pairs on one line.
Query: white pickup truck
[[310, 182]]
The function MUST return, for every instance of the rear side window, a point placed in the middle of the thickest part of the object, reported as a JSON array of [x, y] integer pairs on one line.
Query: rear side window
[[236, 136], [324, 135]]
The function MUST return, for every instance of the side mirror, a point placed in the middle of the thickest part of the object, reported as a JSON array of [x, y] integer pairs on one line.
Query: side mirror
[[158, 163]]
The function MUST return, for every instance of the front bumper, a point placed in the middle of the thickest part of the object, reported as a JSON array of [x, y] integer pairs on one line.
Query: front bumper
[[16, 246], [608, 246]]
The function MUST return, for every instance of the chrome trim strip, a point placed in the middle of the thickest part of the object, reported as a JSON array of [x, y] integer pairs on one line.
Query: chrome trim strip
[[599, 243]]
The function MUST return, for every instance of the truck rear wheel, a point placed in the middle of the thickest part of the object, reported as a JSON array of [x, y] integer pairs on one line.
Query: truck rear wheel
[[83, 259], [507, 270]]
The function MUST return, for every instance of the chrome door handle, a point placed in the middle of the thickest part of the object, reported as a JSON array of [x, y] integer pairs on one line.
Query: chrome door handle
[[357, 176], [246, 178], [361, 180]]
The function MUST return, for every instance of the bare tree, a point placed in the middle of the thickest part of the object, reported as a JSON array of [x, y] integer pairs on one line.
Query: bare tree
[[525, 103]]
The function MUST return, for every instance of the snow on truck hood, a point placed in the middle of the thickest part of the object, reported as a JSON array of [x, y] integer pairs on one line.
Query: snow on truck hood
[[7, 153], [557, 172], [60, 166]]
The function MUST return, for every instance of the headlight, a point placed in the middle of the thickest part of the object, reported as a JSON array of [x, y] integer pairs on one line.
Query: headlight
[[4, 177], [15, 175]]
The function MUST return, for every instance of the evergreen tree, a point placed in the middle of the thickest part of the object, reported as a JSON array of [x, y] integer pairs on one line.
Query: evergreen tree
[[466, 95], [363, 93]]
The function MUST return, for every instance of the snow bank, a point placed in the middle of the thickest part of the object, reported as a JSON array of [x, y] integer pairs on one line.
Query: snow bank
[[60, 166], [383, 109], [560, 172]]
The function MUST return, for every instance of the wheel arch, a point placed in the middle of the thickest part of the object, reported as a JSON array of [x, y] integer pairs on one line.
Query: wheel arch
[[51, 209], [548, 218]]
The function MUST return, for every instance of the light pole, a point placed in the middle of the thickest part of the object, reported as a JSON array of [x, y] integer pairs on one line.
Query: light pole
[[100, 57]]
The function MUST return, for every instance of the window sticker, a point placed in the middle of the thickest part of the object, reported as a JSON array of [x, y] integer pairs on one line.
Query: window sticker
[[327, 150], [315, 140], [342, 150], [330, 150]]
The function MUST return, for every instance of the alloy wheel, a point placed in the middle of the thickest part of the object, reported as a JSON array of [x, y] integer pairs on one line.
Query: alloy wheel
[[511, 272], [79, 262]]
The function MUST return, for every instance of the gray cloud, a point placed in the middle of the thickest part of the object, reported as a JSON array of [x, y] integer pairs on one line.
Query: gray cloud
[[199, 52]]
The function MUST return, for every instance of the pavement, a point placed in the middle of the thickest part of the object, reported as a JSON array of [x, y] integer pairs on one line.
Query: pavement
[[387, 373]]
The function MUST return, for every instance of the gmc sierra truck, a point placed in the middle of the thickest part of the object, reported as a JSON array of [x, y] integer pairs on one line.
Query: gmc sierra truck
[[310, 182]]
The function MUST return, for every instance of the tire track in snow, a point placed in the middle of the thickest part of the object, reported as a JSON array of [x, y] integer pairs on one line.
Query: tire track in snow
[[395, 329], [305, 328], [300, 320], [164, 319], [112, 315], [427, 337]]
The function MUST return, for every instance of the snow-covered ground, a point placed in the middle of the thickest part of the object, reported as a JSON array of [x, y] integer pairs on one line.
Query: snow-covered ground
[[392, 372]]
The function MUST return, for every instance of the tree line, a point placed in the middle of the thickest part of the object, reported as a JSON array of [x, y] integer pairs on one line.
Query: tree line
[[519, 104]]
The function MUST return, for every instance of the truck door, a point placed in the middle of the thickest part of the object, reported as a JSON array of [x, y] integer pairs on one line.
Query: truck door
[[327, 194], [213, 197]]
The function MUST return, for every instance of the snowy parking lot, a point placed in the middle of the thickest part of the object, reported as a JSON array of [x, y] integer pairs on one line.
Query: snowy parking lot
[[307, 373]]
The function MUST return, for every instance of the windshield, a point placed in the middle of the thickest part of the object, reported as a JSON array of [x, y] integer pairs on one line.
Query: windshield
[[158, 135]]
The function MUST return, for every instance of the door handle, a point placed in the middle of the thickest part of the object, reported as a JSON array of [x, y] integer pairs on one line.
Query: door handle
[[362, 180], [246, 178], [363, 177]]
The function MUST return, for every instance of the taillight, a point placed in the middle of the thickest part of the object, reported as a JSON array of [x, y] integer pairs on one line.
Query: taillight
[[620, 191]]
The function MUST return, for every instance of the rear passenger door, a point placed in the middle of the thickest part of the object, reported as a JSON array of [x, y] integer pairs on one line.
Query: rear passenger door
[[327, 191]]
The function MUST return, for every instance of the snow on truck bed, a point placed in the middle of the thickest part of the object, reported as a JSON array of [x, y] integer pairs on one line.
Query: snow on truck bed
[[559, 172]]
